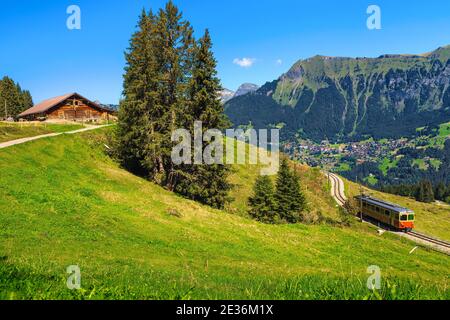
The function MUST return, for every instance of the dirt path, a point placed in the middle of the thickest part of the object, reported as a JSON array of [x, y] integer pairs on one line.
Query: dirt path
[[24, 140]]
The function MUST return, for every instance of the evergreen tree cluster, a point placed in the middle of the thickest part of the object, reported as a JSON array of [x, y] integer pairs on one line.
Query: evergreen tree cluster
[[424, 191], [285, 202], [13, 100], [170, 82]]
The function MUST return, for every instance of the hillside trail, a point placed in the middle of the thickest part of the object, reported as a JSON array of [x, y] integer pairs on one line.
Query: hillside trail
[[28, 139]]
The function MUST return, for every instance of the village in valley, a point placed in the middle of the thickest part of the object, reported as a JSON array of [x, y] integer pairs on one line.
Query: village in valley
[[327, 155], [425, 150]]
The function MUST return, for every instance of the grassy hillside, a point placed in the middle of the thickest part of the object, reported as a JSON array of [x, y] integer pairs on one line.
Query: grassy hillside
[[13, 131], [314, 185], [431, 218], [63, 202]]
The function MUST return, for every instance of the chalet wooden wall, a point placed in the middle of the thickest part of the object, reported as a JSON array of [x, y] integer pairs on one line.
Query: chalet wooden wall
[[79, 113]]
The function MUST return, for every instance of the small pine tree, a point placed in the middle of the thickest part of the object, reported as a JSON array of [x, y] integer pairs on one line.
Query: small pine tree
[[440, 191], [425, 192], [429, 193], [27, 100], [289, 196], [262, 203]]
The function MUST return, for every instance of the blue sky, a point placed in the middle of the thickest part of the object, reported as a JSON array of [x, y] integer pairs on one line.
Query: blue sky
[[38, 51]]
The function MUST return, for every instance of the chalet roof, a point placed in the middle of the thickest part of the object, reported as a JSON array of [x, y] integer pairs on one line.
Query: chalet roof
[[45, 105]]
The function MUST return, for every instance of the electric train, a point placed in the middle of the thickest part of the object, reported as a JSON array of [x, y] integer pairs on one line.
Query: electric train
[[388, 213]]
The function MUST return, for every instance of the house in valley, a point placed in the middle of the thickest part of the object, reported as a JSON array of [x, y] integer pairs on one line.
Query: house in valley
[[68, 107]]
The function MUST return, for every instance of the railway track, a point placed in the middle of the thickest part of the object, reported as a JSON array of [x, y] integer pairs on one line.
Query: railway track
[[429, 239], [339, 196], [338, 191]]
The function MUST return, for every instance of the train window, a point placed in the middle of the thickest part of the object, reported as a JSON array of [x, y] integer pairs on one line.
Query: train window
[[411, 217], [386, 212], [378, 209], [404, 218]]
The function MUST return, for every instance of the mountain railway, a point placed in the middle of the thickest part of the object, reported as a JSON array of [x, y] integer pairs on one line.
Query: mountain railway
[[337, 191], [429, 239], [406, 230]]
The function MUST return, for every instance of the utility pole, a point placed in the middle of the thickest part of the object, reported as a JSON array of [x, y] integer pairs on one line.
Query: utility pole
[[329, 180], [361, 193], [360, 200]]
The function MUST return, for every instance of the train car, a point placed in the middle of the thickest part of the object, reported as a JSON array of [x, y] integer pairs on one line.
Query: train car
[[388, 213]]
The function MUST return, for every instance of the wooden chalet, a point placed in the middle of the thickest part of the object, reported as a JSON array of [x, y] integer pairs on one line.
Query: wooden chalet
[[70, 107]]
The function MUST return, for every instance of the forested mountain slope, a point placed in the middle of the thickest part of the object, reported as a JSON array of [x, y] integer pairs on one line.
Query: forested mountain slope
[[351, 98]]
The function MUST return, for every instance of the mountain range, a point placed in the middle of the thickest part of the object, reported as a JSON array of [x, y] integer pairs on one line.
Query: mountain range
[[243, 89], [339, 98]]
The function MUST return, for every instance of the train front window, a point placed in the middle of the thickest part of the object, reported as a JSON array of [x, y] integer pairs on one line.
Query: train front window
[[411, 217], [404, 218]]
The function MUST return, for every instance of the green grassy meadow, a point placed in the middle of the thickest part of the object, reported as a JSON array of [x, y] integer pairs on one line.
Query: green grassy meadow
[[13, 131], [64, 202]]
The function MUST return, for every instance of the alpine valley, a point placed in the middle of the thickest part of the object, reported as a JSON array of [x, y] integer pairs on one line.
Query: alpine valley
[[380, 120]]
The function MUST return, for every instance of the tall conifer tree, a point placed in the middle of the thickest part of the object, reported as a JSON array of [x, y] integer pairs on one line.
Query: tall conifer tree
[[134, 108], [206, 183], [170, 82], [10, 95], [172, 51]]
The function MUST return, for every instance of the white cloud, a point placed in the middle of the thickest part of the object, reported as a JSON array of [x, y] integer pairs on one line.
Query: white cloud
[[279, 62], [244, 62]]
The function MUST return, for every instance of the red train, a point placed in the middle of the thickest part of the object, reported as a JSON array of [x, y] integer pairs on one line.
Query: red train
[[388, 213]]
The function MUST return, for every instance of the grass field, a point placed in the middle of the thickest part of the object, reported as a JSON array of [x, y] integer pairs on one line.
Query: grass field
[[13, 131], [64, 202]]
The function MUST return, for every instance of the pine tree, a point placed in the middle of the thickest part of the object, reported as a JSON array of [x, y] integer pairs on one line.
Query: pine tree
[[262, 203], [289, 197], [447, 195], [205, 183], [172, 50], [27, 100], [440, 191], [170, 82], [425, 192], [9, 94], [429, 194], [139, 83]]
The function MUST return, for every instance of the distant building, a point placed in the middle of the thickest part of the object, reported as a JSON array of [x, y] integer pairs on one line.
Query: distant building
[[71, 107]]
